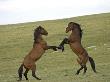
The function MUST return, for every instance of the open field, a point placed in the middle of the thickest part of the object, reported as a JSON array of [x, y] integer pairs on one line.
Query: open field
[[17, 40]]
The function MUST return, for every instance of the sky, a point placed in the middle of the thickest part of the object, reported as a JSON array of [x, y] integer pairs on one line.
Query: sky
[[20, 11]]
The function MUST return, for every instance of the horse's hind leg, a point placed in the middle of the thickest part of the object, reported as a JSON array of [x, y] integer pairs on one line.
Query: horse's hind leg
[[20, 70], [33, 72], [25, 74], [78, 71], [85, 69]]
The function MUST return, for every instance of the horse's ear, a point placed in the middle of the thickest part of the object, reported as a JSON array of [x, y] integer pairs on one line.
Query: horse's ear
[[40, 27]]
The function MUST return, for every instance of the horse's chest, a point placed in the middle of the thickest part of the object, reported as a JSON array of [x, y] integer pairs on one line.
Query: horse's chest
[[43, 44], [74, 38]]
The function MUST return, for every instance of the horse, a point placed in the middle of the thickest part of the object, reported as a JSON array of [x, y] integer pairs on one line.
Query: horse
[[74, 40], [39, 48]]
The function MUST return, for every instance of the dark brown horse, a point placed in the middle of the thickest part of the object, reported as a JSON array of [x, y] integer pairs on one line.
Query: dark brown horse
[[74, 40], [39, 48]]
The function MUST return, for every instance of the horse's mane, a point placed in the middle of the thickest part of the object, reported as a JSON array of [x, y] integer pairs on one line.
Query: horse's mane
[[36, 33], [79, 28]]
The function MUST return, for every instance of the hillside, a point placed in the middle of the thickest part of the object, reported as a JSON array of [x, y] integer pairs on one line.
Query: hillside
[[16, 41]]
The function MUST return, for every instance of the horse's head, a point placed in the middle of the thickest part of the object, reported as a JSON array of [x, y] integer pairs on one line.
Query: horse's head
[[71, 26], [41, 30]]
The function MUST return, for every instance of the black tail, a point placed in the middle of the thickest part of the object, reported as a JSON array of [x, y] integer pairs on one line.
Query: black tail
[[92, 64], [20, 71]]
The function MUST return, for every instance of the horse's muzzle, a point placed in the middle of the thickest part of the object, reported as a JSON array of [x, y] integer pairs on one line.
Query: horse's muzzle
[[67, 30], [46, 34]]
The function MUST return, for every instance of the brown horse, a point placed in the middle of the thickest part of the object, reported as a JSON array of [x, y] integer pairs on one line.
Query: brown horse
[[39, 48], [74, 40]]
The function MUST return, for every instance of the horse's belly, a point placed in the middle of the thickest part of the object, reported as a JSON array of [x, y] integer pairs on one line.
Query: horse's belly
[[77, 48], [33, 56], [37, 56], [28, 62]]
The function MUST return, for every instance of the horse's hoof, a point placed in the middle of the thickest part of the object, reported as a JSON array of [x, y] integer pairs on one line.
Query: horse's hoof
[[61, 47], [77, 74], [19, 80], [38, 79], [26, 79], [84, 73], [62, 50], [95, 71]]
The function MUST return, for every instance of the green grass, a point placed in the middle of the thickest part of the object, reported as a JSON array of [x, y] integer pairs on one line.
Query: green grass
[[16, 41]]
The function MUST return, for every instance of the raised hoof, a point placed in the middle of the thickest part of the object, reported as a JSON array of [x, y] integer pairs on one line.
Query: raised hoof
[[61, 47]]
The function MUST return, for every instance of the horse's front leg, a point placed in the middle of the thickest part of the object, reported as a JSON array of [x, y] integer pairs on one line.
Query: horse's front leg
[[33, 72], [52, 47], [65, 41]]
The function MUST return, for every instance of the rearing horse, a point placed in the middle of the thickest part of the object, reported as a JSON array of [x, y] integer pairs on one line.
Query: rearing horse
[[39, 48], [74, 40]]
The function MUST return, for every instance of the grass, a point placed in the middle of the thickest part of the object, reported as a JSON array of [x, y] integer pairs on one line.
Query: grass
[[16, 41]]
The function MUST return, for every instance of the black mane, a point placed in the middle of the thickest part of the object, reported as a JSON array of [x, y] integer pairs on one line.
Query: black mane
[[79, 28], [36, 33]]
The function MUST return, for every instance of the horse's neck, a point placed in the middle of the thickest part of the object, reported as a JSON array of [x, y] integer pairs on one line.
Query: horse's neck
[[75, 32], [38, 39], [79, 31], [40, 42], [74, 36]]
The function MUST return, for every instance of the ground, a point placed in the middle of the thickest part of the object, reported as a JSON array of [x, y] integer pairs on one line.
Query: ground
[[17, 40]]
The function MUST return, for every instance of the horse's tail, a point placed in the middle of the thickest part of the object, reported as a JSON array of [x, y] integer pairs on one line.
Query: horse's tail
[[92, 64], [20, 71]]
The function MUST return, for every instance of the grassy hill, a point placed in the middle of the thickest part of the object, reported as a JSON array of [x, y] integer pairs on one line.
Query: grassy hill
[[16, 41]]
